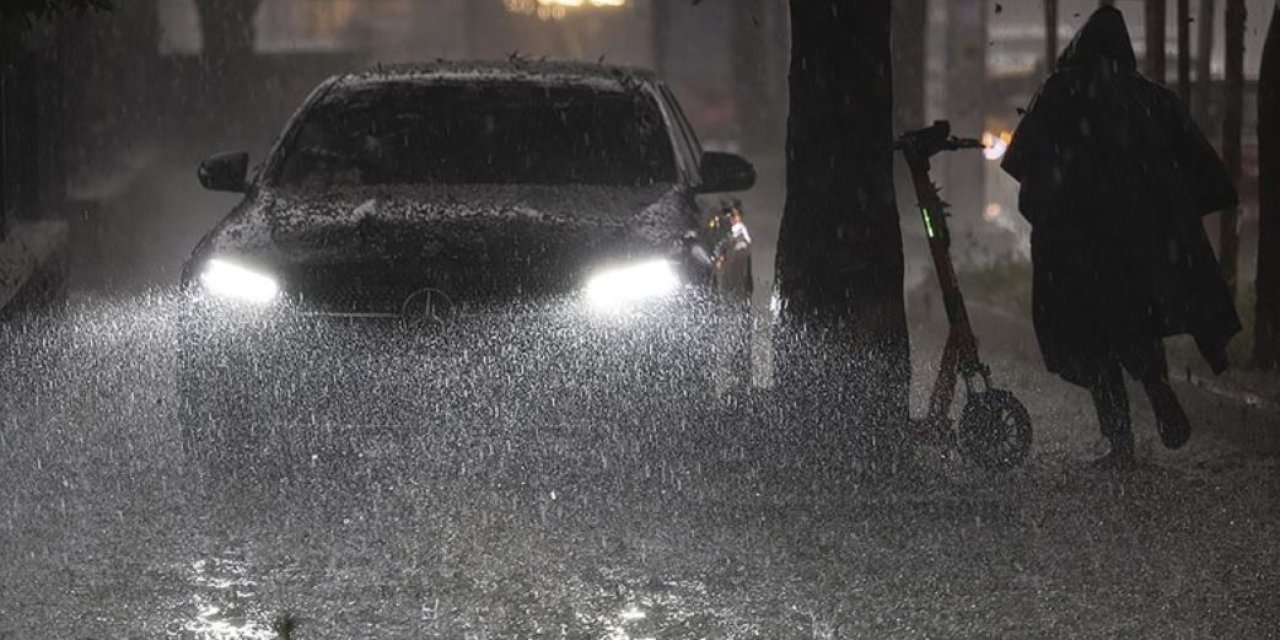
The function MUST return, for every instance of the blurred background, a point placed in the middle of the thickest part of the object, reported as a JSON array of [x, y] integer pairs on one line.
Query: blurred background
[[117, 108], [104, 118]]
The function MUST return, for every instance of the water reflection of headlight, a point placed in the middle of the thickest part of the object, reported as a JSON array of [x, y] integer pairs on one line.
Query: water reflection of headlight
[[231, 281], [223, 592], [625, 286]]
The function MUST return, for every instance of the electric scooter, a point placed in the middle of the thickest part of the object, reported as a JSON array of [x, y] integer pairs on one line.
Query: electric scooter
[[994, 429]]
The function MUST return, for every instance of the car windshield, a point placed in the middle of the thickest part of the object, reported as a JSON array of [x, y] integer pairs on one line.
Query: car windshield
[[495, 133]]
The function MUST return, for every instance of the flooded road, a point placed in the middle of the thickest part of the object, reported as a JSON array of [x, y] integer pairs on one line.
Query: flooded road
[[586, 506], [676, 524]]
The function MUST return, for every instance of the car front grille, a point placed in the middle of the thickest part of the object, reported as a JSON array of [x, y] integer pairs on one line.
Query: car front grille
[[350, 289], [383, 289]]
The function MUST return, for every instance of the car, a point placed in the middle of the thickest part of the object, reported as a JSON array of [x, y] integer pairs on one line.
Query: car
[[516, 234]]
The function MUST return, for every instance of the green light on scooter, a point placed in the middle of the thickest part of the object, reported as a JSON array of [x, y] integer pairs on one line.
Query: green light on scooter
[[928, 221]]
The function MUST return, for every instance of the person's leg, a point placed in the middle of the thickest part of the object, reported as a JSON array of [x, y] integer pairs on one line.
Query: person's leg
[[1112, 404], [1171, 419], [1147, 363]]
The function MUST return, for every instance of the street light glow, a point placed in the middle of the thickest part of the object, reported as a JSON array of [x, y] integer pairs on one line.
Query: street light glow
[[996, 144], [559, 9]]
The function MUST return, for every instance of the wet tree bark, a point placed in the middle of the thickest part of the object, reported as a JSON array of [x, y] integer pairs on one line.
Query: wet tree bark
[[1156, 15], [842, 340], [1232, 125], [1266, 345]]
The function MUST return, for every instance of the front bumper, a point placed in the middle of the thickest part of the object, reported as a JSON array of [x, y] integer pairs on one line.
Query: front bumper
[[292, 366]]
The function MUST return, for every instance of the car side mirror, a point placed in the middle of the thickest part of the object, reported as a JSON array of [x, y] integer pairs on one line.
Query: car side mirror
[[225, 172], [723, 172]]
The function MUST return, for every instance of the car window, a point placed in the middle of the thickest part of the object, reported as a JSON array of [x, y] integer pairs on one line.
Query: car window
[[682, 124], [686, 159], [476, 133]]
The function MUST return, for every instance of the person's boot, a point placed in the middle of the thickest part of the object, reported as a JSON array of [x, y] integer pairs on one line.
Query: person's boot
[[1119, 458], [1112, 404], [1171, 420]]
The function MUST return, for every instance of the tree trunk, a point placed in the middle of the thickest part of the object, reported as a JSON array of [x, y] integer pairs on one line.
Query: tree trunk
[[227, 33], [226, 27], [1266, 345], [1184, 51], [910, 53], [842, 344], [1157, 12], [1050, 35], [1232, 123], [1204, 59]]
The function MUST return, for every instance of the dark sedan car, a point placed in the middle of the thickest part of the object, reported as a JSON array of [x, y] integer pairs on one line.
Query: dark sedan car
[[424, 237]]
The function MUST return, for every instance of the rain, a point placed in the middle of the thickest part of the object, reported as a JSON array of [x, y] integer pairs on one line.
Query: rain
[[638, 319]]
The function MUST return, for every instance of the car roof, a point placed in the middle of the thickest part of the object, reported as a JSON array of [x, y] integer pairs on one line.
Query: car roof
[[516, 70]]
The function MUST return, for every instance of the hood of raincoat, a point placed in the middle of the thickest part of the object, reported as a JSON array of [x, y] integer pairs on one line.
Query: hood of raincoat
[[1103, 37]]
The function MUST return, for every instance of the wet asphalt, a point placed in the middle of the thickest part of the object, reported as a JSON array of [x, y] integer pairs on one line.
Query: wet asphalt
[[675, 519]]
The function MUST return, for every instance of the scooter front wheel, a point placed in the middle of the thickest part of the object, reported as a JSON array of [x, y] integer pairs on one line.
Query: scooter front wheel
[[995, 430]]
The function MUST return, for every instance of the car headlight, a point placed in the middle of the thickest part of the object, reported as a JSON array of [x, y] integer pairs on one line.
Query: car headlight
[[232, 281], [623, 286]]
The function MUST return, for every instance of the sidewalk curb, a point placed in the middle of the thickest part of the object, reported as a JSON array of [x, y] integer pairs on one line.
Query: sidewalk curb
[[1252, 400], [1247, 398], [25, 249]]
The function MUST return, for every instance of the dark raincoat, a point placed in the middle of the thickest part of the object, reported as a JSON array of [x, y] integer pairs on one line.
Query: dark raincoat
[[1114, 178]]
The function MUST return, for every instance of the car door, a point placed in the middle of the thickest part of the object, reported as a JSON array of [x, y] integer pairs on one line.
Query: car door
[[722, 228]]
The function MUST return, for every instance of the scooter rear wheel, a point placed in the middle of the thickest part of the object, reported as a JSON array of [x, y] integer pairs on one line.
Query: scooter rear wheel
[[995, 430]]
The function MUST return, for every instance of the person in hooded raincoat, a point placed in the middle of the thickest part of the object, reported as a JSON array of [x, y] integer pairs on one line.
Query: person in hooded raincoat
[[1114, 179]]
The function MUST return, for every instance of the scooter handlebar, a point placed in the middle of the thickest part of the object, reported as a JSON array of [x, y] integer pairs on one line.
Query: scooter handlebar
[[965, 143], [930, 140]]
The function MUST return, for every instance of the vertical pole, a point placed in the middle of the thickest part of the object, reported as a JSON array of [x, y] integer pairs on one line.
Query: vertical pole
[[1050, 35], [1266, 340], [1184, 51], [910, 19], [4, 148], [751, 99], [1157, 13], [1204, 59], [965, 174], [27, 113], [659, 36], [1229, 233]]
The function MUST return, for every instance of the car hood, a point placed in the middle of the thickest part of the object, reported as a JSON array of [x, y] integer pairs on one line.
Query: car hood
[[369, 250], [458, 222]]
